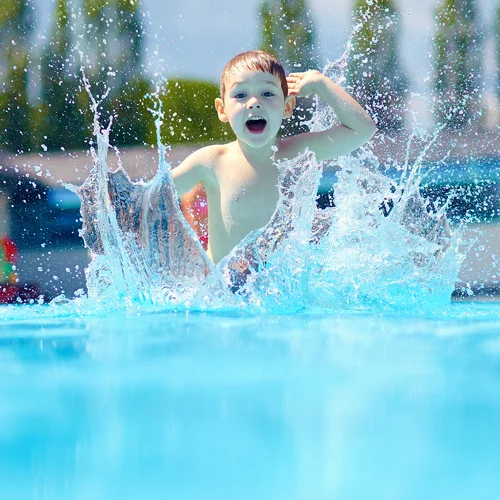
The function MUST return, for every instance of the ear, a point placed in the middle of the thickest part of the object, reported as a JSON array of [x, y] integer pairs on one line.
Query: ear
[[289, 105], [219, 106]]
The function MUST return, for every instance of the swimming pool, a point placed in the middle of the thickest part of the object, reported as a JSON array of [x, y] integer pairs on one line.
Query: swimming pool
[[150, 404]]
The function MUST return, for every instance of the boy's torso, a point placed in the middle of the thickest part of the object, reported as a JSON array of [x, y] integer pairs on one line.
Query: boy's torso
[[242, 197]]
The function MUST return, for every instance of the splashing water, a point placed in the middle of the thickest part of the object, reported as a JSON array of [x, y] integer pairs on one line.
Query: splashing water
[[142, 246], [383, 245]]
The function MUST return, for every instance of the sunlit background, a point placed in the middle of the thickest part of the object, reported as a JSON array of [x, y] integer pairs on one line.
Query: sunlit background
[[413, 65], [340, 368]]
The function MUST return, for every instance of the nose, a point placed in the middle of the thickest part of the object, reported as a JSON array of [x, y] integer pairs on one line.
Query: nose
[[253, 102]]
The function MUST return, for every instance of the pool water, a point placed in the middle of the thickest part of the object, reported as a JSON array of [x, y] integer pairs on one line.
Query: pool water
[[226, 405]]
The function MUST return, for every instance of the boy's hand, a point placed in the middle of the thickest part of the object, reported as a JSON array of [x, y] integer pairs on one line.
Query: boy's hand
[[303, 84], [356, 127]]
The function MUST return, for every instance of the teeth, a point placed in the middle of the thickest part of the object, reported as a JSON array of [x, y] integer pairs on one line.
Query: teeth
[[255, 118]]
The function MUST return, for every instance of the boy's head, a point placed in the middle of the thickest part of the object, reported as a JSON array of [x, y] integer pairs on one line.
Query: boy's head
[[254, 60], [254, 97]]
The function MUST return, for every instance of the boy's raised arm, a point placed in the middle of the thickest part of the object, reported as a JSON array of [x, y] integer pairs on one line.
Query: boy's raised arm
[[356, 125]]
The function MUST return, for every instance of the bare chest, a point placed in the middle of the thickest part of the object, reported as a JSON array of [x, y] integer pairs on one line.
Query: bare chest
[[248, 199]]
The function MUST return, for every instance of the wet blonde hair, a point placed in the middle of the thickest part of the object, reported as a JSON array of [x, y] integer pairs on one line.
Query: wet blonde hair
[[256, 60]]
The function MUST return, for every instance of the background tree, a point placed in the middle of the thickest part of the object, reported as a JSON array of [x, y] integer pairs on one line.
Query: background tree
[[15, 27], [288, 32], [130, 39], [374, 73], [497, 50], [64, 103], [95, 38], [457, 60], [112, 43], [114, 60], [130, 102]]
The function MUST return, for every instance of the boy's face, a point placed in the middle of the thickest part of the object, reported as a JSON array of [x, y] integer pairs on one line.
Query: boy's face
[[254, 106]]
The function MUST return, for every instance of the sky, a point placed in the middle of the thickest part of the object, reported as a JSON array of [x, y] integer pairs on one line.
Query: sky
[[195, 38], [198, 37]]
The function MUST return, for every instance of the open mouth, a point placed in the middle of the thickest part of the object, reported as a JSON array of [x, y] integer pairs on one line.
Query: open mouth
[[256, 125]]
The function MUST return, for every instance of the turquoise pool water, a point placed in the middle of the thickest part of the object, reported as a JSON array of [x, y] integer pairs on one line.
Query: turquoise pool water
[[330, 363], [225, 405]]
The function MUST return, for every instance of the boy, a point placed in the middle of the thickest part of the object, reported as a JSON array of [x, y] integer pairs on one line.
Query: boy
[[241, 177]]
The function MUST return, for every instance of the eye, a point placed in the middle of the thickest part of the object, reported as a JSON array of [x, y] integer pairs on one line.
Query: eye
[[267, 94], [241, 95]]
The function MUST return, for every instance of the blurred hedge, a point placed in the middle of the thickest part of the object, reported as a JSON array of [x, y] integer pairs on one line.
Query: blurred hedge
[[190, 115]]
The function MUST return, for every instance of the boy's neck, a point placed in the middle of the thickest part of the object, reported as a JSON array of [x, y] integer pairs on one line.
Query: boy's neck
[[257, 156]]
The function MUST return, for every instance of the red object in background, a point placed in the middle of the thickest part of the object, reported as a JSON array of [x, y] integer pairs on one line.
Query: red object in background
[[195, 208], [9, 249], [11, 291], [9, 294], [8, 257]]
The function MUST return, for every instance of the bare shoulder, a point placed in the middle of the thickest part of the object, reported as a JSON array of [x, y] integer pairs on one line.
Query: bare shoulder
[[199, 166], [207, 156], [290, 147], [203, 161]]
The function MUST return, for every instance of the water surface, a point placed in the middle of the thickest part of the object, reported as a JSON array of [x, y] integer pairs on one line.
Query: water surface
[[230, 405]]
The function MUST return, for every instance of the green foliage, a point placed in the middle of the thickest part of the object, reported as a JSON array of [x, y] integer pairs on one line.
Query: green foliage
[[64, 124], [497, 49], [130, 6], [98, 43], [37, 128], [15, 27], [114, 56], [190, 114], [93, 8], [10, 10], [374, 74], [130, 37], [288, 32], [4, 105], [457, 63], [114, 51], [15, 18], [17, 137], [134, 123], [62, 118]]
